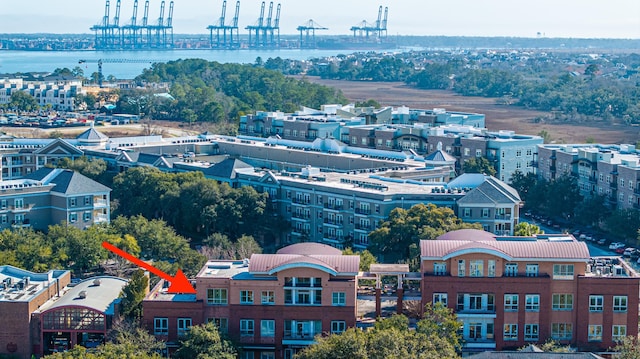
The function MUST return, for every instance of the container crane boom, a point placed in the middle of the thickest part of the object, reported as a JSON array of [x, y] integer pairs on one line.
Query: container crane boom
[[224, 13], [234, 23], [276, 24], [145, 17], [170, 18], [116, 19]]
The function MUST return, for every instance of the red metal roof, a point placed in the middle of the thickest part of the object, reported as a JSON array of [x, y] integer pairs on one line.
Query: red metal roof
[[341, 264], [515, 249]]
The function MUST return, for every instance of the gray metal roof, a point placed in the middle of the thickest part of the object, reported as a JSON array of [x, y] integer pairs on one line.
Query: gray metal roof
[[492, 190], [92, 135], [67, 181], [97, 293]]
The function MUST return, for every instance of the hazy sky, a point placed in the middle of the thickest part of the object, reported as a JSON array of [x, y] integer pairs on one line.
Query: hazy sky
[[552, 18]]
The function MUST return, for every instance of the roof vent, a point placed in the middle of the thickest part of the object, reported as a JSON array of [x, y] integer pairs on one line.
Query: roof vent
[[245, 262], [96, 282], [82, 294]]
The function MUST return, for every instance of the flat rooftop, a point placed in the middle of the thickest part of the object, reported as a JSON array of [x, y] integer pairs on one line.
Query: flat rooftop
[[19, 285]]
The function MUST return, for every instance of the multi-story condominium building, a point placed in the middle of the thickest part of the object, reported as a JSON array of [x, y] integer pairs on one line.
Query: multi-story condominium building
[[511, 291], [58, 93], [612, 171], [53, 196], [490, 202], [21, 294], [417, 131], [336, 121], [272, 305]]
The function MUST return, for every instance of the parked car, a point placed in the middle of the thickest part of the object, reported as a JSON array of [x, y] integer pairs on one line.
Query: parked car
[[620, 250], [602, 241], [616, 245], [629, 251]]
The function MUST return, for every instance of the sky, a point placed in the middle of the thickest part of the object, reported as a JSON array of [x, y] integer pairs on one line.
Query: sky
[[514, 18]]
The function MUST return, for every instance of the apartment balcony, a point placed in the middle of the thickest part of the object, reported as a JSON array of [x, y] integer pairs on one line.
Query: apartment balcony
[[479, 343], [100, 203], [300, 232], [301, 216], [21, 224], [333, 222], [362, 227], [333, 238], [102, 218], [483, 311], [333, 206], [505, 217], [301, 200], [23, 209], [364, 211], [289, 335]]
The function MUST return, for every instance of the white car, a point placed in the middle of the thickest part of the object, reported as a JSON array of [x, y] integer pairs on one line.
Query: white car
[[616, 245]]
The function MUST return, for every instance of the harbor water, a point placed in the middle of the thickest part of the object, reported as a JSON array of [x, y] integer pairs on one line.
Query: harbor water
[[47, 61]]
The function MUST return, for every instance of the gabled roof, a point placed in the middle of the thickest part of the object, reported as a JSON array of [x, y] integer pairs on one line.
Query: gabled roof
[[59, 147], [226, 169], [67, 182], [492, 191]]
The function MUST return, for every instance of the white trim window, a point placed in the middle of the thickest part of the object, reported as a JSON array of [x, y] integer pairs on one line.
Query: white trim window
[[596, 303], [532, 303], [619, 303], [339, 299], [267, 328], [338, 326], [246, 327], [619, 332], [510, 332], [160, 326], [595, 333], [184, 326], [510, 302], [440, 298], [531, 332], [246, 297]]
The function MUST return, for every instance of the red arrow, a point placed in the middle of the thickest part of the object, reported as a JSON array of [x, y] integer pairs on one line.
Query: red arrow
[[178, 283]]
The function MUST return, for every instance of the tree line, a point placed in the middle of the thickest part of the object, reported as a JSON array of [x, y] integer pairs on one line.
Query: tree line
[[577, 89]]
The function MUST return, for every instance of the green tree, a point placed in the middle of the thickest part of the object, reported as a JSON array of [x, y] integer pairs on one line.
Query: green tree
[[93, 169], [23, 101], [629, 348], [478, 165], [366, 258], [133, 293], [390, 338], [564, 197], [527, 229], [394, 237], [592, 211], [204, 342], [440, 321], [245, 246], [624, 223]]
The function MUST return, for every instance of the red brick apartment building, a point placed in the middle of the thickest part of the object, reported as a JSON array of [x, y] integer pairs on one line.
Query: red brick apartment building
[[22, 293], [272, 304], [512, 291]]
